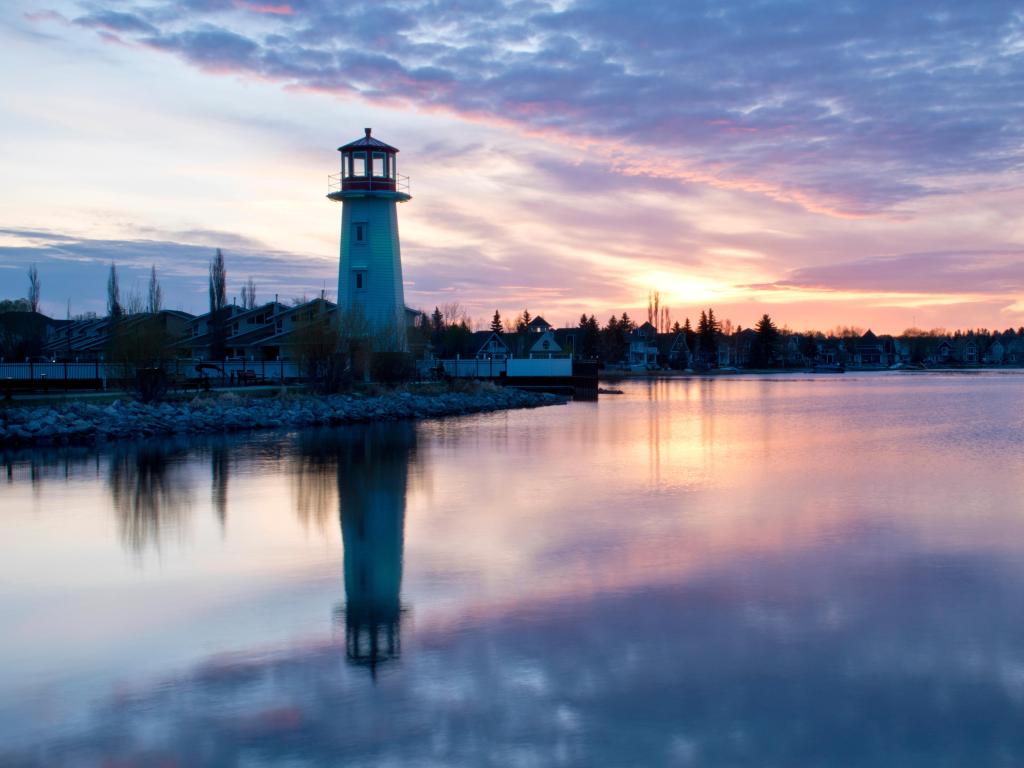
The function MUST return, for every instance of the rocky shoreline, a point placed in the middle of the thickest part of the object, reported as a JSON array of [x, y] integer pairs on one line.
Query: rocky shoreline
[[80, 422]]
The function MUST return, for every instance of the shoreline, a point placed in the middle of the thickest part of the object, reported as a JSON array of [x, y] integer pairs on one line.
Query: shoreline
[[79, 422], [613, 376]]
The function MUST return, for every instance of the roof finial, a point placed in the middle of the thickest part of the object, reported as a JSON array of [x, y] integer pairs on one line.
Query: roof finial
[[367, 132]]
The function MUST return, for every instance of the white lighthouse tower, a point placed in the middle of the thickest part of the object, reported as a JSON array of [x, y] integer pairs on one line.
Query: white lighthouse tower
[[370, 275]]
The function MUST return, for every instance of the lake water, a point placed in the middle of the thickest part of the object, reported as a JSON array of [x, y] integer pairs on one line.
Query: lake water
[[778, 571]]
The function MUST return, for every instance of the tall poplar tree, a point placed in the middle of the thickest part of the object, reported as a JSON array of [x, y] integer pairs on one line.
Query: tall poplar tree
[[218, 306]]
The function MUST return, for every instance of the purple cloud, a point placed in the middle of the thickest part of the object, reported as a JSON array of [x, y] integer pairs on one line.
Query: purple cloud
[[852, 107], [944, 272]]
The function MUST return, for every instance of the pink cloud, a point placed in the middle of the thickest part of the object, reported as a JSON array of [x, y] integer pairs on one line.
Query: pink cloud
[[282, 9]]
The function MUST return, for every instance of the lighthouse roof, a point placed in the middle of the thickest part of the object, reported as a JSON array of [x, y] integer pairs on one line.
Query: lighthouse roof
[[367, 142]]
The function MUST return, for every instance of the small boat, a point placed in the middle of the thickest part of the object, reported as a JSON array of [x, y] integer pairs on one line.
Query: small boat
[[829, 368]]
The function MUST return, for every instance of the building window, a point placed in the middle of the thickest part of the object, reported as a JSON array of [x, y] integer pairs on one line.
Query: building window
[[379, 165], [360, 280], [360, 232], [358, 164], [391, 167]]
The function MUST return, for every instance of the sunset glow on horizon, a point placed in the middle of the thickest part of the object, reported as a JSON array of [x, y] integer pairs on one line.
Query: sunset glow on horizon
[[832, 166]]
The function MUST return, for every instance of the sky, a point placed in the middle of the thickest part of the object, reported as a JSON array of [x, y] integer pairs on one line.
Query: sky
[[848, 163]]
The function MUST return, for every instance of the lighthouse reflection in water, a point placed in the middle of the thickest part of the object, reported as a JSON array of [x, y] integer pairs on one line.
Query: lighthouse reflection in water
[[372, 464]]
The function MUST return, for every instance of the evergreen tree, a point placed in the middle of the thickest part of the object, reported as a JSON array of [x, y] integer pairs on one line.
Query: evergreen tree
[[764, 353], [676, 328], [496, 322], [589, 338], [593, 337], [707, 337], [611, 341], [523, 321]]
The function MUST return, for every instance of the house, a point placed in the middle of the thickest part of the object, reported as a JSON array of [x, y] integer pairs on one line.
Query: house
[[545, 346], [89, 340], [488, 345], [673, 350], [995, 353], [25, 334], [869, 352], [287, 340], [573, 341], [643, 347], [538, 325]]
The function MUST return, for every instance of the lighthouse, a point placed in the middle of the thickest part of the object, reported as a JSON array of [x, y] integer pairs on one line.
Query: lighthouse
[[370, 274]]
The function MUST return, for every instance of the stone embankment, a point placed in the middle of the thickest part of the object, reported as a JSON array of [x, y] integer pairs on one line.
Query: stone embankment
[[82, 422]]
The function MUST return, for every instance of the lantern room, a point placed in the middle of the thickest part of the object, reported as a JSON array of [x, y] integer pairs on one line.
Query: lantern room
[[368, 165]]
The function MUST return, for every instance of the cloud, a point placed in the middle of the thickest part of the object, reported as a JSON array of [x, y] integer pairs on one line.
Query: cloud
[[992, 272], [75, 268], [114, 21], [850, 109], [714, 670]]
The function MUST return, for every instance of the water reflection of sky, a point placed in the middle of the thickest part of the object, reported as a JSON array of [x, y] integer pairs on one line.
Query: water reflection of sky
[[743, 572]]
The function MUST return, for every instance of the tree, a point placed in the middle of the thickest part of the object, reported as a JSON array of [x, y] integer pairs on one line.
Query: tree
[[454, 314], [140, 350], [156, 295], [764, 352], [15, 305], [653, 313], [218, 306], [523, 321], [133, 304], [114, 310], [590, 337], [218, 283], [707, 337], [249, 294], [322, 345], [33, 288], [496, 322], [808, 347]]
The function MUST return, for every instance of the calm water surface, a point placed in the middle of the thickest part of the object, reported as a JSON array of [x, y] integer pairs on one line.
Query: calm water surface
[[781, 571]]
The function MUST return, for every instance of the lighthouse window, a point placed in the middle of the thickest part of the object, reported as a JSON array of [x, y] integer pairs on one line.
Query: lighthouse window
[[378, 164], [360, 280], [391, 167], [359, 232], [358, 163]]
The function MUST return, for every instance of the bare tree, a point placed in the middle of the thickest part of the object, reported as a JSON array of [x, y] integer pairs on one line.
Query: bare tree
[[33, 288], [134, 305], [454, 314], [114, 309], [249, 294], [156, 294]]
